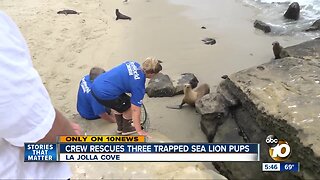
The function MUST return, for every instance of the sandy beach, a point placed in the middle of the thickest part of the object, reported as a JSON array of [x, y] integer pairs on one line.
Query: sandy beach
[[64, 48]]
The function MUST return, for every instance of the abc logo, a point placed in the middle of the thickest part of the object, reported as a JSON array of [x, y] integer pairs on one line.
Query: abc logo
[[279, 149]]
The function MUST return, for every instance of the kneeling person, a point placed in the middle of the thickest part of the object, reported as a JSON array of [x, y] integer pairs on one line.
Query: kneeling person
[[87, 106], [111, 88]]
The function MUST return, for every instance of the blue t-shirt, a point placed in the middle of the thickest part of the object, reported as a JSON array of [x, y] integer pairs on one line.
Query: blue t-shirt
[[87, 106], [128, 77]]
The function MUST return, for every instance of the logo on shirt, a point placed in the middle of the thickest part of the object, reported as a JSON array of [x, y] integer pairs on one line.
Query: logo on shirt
[[84, 86], [133, 70]]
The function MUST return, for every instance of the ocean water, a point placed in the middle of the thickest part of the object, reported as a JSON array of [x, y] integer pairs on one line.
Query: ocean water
[[272, 11], [310, 9], [268, 11]]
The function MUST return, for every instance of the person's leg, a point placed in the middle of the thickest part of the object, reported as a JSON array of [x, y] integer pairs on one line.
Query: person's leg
[[119, 121], [127, 120], [121, 105], [125, 109]]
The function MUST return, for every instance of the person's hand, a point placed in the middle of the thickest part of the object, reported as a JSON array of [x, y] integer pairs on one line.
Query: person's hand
[[76, 127], [143, 133]]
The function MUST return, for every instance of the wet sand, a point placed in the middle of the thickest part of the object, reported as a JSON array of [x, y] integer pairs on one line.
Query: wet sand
[[64, 48]]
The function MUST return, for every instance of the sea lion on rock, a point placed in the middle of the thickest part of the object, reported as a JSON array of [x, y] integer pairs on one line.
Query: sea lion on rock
[[121, 16], [67, 11], [192, 95], [278, 51]]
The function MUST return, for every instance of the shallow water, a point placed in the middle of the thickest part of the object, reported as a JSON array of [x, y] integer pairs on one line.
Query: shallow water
[[269, 11]]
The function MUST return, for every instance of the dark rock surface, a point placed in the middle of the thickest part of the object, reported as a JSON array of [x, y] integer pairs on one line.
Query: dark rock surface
[[315, 26], [293, 11], [212, 105], [186, 78], [262, 26], [160, 86], [281, 97], [209, 41], [213, 110], [68, 11]]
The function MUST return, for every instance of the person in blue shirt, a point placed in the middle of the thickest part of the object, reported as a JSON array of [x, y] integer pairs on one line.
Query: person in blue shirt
[[111, 88], [87, 106]]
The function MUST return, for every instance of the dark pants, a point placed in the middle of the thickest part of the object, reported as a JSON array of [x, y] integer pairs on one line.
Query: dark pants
[[120, 104]]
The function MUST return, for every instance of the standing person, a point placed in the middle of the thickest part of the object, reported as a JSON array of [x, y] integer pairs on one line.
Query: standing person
[[110, 89], [87, 106], [26, 111]]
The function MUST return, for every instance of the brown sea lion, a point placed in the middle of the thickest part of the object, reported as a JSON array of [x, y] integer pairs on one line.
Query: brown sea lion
[[278, 51], [192, 95], [67, 11], [121, 16]]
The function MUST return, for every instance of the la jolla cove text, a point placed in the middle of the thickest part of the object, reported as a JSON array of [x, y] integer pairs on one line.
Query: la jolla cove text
[[90, 157], [158, 148]]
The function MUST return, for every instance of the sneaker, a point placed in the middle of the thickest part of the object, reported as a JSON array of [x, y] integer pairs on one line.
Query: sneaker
[[119, 121], [128, 128]]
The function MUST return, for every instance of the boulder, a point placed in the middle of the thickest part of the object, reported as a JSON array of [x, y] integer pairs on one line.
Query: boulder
[[186, 78], [209, 41], [160, 86], [315, 26], [293, 11], [213, 110], [211, 106], [262, 26], [230, 100]]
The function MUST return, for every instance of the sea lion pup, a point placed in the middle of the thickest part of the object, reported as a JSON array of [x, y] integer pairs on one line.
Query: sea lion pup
[[278, 51], [192, 95], [121, 16], [67, 11]]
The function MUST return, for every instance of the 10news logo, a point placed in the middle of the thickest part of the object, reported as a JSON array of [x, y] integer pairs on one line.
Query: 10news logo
[[279, 149]]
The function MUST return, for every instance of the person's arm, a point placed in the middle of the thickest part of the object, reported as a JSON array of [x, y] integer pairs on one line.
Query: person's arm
[[136, 101], [61, 126], [136, 113], [136, 116]]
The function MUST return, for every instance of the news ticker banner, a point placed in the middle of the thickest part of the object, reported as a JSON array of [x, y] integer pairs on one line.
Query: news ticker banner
[[134, 149], [281, 167], [102, 139]]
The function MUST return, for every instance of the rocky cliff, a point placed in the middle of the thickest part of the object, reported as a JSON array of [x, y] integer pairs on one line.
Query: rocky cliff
[[281, 97]]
